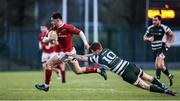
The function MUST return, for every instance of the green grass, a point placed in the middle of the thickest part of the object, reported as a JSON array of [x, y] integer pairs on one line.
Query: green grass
[[20, 86]]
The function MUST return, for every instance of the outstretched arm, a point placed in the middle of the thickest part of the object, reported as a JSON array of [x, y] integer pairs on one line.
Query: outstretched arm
[[82, 35], [78, 57]]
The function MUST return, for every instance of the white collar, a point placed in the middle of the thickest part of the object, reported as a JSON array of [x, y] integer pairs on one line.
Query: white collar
[[61, 25]]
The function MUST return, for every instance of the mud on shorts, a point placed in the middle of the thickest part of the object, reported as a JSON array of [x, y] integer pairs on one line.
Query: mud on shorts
[[131, 74], [56, 58]]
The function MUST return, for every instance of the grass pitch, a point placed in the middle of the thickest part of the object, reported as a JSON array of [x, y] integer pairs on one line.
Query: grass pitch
[[20, 86]]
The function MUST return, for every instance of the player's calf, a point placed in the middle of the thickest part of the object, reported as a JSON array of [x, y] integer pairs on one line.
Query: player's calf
[[170, 79], [159, 83]]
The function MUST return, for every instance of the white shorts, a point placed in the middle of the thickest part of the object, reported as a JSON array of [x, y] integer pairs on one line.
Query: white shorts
[[73, 52], [45, 57], [60, 55]]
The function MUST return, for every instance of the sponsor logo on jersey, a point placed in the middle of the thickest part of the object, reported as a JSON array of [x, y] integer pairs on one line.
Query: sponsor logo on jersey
[[63, 35], [156, 33], [64, 30]]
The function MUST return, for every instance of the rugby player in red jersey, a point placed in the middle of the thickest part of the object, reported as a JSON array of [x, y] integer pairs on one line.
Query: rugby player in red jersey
[[65, 33]]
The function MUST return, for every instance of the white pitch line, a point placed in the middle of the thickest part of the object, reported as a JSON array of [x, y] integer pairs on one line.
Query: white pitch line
[[68, 89], [89, 100]]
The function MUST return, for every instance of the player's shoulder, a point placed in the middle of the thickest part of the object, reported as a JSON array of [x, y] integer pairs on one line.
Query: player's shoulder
[[164, 26], [53, 27], [151, 26], [68, 26], [105, 50], [41, 35]]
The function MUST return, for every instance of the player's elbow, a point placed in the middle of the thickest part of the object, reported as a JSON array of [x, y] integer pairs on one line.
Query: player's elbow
[[173, 37], [145, 38]]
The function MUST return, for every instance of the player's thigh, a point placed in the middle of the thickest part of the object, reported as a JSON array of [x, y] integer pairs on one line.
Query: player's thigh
[[160, 61], [73, 51], [160, 54], [44, 65], [53, 61], [62, 65], [74, 64], [146, 77], [138, 71], [131, 74], [130, 78]]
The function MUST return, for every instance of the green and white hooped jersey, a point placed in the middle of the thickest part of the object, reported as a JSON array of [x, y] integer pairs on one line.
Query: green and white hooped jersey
[[110, 59], [158, 32]]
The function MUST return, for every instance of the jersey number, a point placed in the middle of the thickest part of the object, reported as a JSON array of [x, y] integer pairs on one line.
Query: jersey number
[[109, 57]]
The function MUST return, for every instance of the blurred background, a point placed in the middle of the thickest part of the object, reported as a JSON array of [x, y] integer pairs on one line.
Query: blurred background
[[117, 24]]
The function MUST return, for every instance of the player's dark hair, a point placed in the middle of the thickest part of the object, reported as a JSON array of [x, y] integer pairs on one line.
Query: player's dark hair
[[95, 46], [158, 16], [57, 15]]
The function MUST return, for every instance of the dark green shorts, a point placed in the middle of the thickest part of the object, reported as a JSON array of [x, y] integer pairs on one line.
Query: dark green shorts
[[162, 51], [131, 74]]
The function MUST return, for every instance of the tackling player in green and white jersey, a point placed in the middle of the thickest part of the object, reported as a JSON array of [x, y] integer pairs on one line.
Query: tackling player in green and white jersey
[[128, 71]]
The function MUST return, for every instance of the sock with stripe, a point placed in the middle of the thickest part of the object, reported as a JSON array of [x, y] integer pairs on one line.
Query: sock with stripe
[[166, 72], [157, 82]]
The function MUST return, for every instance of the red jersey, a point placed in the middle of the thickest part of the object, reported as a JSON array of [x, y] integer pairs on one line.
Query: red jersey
[[65, 33], [45, 45]]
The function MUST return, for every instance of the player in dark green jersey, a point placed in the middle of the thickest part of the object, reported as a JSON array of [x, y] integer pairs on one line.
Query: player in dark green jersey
[[128, 71], [155, 34]]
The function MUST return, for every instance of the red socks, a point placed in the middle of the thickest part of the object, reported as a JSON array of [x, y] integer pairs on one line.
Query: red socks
[[63, 73], [96, 65], [90, 70], [48, 73]]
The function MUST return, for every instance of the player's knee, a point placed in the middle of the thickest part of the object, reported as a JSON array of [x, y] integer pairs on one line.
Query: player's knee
[[63, 69], [156, 65], [48, 66], [143, 86], [145, 78], [149, 78], [159, 65], [44, 65]]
